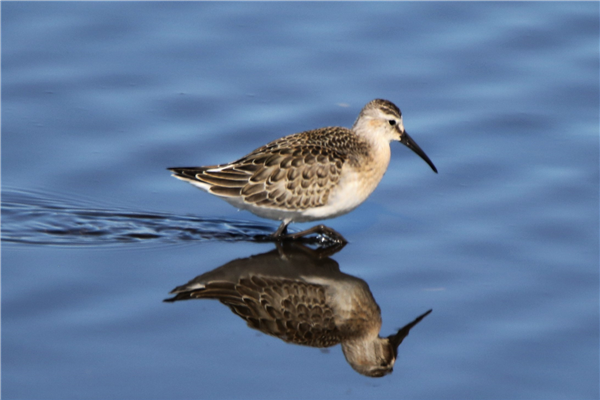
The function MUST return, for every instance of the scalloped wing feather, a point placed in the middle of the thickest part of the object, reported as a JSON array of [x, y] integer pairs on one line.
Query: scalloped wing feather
[[295, 172]]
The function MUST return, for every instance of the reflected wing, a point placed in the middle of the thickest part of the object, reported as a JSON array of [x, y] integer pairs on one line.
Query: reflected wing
[[294, 311]]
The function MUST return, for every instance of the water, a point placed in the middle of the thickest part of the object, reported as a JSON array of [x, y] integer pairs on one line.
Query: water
[[99, 98]]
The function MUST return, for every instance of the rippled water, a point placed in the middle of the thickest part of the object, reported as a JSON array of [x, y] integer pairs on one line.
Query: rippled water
[[98, 99], [31, 219]]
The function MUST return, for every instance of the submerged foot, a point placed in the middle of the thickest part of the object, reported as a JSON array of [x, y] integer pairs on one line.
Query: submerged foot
[[324, 234]]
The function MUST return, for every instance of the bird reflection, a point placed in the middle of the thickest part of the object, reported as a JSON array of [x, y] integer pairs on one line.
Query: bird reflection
[[299, 295]]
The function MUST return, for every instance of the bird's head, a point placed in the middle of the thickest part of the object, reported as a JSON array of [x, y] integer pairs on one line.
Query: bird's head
[[381, 119]]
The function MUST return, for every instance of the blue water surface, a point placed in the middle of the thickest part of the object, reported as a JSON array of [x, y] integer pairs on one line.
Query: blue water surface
[[98, 98]]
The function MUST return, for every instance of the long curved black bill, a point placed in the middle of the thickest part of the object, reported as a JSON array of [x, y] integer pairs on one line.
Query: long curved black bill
[[397, 338], [411, 144]]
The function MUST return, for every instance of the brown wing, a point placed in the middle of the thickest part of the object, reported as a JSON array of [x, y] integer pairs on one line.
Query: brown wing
[[295, 172], [293, 311]]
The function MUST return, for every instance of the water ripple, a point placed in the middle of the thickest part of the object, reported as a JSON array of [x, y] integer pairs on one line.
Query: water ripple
[[32, 218]]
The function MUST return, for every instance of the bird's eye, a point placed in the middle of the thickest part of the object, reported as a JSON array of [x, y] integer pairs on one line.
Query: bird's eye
[[392, 122]]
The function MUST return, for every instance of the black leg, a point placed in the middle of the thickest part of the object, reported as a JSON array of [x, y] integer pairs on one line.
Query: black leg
[[281, 231]]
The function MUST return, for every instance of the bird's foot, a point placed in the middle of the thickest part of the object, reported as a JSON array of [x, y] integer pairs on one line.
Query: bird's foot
[[319, 235], [325, 236], [314, 252]]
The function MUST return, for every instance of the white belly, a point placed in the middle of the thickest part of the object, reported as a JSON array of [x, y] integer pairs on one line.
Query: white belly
[[353, 189]]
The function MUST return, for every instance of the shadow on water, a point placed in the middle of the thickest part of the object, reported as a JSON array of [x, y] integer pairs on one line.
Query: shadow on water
[[33, 218], [299, 295]]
